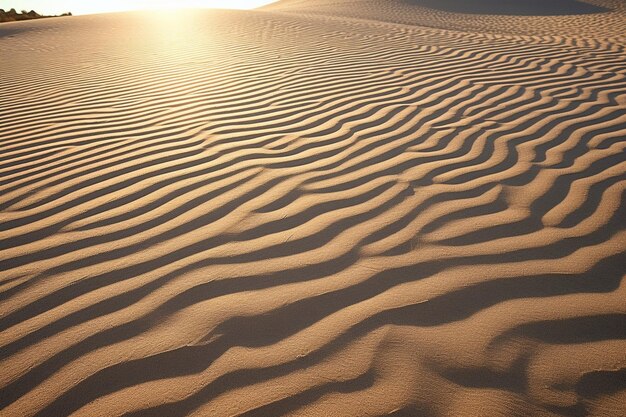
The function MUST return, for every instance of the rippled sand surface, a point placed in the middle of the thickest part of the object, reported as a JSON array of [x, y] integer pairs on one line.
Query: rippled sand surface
[[320, 208]]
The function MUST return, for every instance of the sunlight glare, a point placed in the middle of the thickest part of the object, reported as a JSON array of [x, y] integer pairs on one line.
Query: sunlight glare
[[188, 4], [79, 7]]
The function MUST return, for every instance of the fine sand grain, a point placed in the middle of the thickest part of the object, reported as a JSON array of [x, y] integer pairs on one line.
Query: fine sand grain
[[320, 208]]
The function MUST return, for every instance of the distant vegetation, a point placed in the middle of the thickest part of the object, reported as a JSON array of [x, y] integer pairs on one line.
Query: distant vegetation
[[12, 15]]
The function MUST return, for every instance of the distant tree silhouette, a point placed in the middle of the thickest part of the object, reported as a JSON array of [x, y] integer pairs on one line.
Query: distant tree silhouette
[[12, 15]]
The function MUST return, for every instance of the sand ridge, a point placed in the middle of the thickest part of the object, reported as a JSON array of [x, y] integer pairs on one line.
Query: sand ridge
[[297, 212]]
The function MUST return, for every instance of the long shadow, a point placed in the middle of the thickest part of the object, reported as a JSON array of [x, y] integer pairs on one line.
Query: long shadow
[[562, 137], [288, 248], [123, 300], [302, 217], [562, 185], [555, 250], [597, 383], [38, 216], [591, 386], [512, 155], [59, 250], [582, 147], [511, 7], [127, 298], [568, 246], [572, 330], [512, 379], [593, 200], [125, 331], [533, 224], [297, 401], [207, 218], [103, 162], [278, 324]]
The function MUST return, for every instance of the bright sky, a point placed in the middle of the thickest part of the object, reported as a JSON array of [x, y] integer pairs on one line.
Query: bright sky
[[100, 6]]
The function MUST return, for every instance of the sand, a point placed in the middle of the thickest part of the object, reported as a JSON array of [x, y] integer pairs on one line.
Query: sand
[[319, 208]]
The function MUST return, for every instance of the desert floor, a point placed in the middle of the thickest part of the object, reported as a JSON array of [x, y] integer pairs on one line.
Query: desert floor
[[319, 208]]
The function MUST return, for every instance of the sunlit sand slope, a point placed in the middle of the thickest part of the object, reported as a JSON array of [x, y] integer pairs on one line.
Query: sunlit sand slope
[[277, 212]]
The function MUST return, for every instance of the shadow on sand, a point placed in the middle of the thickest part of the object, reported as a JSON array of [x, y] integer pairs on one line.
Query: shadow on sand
[[512, 7]]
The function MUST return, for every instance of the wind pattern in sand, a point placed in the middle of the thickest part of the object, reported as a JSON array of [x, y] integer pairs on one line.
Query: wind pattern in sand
[[263, 213]]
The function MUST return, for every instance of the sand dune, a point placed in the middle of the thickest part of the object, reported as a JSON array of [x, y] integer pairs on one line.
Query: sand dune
[[324, 208]]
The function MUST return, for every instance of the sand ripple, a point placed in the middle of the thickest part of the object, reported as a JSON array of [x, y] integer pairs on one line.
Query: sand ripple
[[265, 213]]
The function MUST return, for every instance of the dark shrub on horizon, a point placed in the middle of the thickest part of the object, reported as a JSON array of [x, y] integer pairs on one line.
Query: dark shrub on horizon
[[12, 15]]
